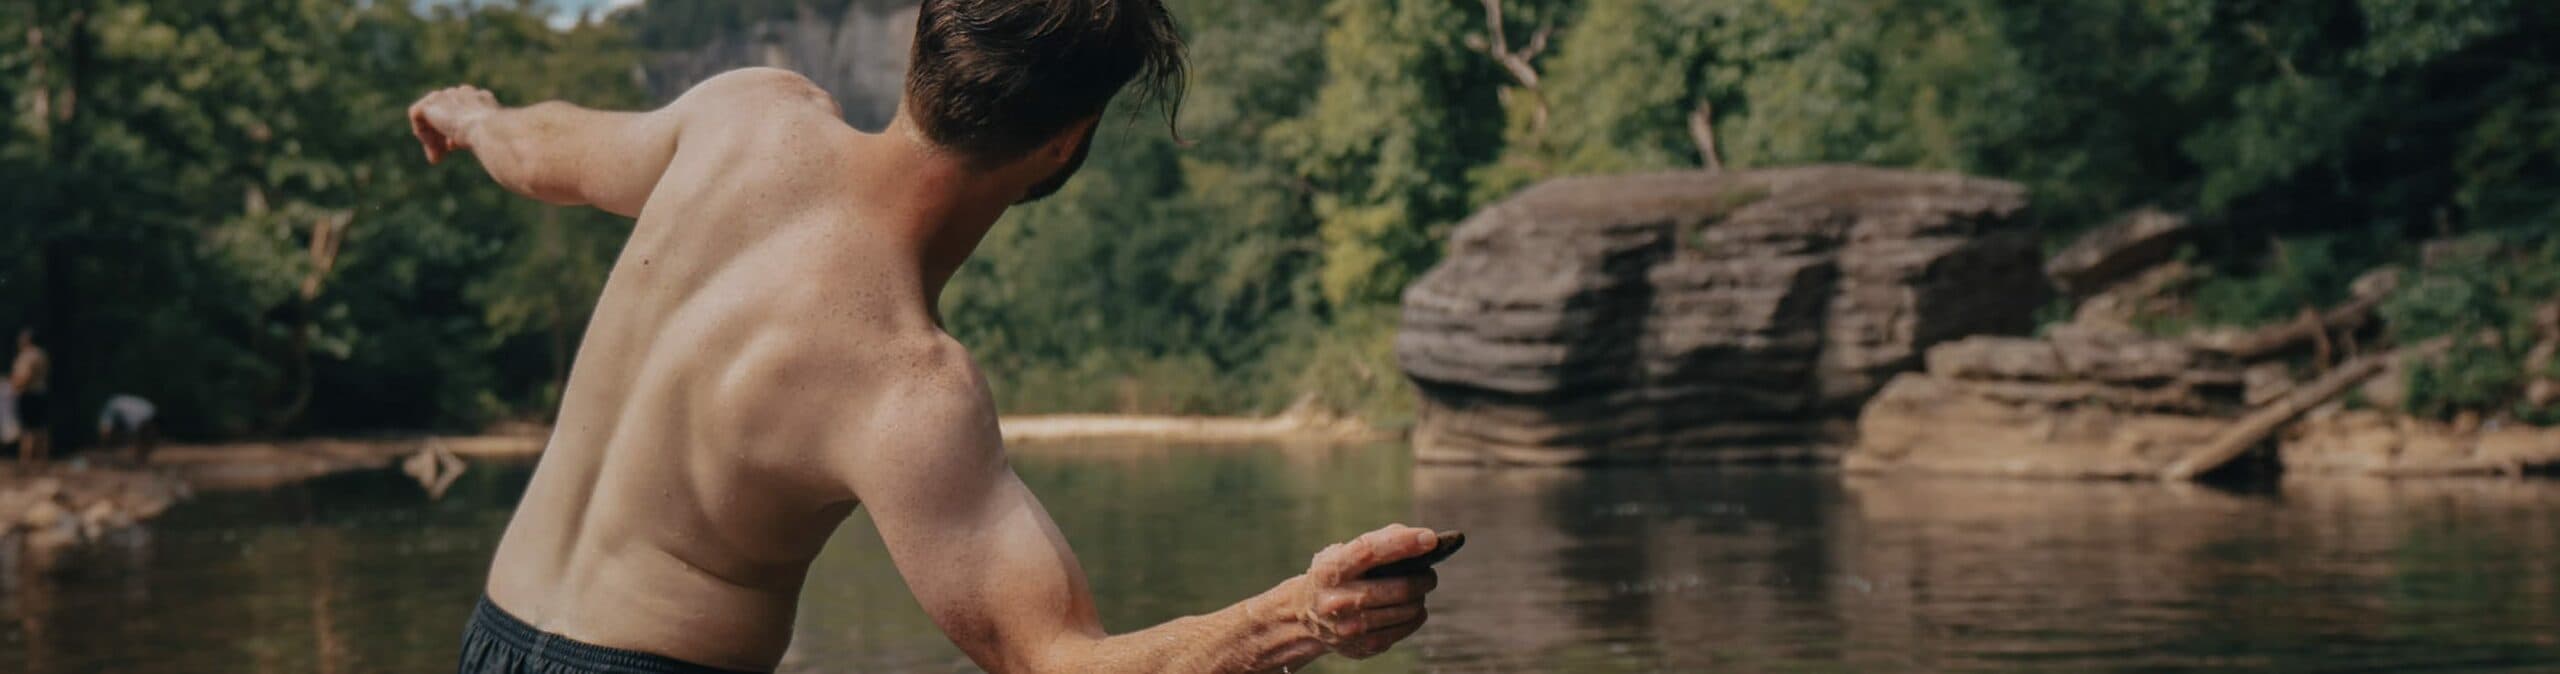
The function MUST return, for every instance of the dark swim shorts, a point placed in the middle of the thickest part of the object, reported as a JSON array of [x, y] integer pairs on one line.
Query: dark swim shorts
[[33, 413], [497, 643]]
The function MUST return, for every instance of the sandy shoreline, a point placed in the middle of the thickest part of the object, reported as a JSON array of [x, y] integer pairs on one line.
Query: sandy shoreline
[[253, 465], [264, 464], [90, 493]]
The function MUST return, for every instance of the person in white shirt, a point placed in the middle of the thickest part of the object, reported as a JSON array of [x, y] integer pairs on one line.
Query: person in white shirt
[[129, 419]]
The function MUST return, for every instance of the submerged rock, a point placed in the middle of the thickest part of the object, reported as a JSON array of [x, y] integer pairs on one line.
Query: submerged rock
[[1703, 316]]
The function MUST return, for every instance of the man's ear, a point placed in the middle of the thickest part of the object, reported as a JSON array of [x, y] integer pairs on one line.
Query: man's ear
[[1062, 148]]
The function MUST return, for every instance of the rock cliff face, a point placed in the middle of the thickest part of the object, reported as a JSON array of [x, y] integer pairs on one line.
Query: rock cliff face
[[861, 57], [1703, 316]]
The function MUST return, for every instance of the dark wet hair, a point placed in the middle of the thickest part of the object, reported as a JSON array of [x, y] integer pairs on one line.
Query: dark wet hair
[[994, 79]]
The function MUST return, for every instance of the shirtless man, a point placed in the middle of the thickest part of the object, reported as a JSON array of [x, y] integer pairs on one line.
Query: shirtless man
[[28, 376], [767, 356]]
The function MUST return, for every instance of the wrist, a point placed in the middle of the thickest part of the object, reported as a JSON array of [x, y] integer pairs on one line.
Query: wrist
[[463, 128], [1280, 616], [1283, 608]]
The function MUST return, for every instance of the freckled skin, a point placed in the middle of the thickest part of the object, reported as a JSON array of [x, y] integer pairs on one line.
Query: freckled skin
[[766, 358]]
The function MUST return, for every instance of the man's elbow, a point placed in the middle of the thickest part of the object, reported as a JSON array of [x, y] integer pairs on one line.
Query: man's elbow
[[1063, 655]]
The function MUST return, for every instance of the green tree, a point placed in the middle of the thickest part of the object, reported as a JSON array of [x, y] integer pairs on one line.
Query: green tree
[[1405, 111]]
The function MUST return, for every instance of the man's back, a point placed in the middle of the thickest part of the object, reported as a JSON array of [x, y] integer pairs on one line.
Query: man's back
[[683, 461], [766, 356]]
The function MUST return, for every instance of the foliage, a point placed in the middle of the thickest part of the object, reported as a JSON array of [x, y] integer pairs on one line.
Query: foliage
[[167, 165], [2482, 298], [165, 227], [1402, 114]]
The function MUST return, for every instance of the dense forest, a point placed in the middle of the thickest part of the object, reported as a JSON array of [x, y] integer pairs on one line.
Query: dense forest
[[214, 202]]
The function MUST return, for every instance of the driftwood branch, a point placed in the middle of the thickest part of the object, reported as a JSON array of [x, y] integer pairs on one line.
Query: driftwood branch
[[1518, 62], [1702, 129], [2247, 432], [2312, 327], [326, 235]]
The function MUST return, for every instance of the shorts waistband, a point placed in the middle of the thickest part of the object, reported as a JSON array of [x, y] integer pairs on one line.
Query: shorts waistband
[[496, 624]]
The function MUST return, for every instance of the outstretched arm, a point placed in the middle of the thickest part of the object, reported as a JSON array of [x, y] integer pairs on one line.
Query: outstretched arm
[[554, 151], [987, 563]]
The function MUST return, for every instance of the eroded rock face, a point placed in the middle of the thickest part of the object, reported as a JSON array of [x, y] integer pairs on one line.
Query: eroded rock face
[[1703, 316]]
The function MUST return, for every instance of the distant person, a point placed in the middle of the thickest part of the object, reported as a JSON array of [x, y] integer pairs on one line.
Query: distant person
[[27, 377], [766, 357], [129, 420]]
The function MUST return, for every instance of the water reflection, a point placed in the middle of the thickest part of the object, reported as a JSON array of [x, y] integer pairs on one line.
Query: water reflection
[[1587, 571], [1645, 570], [354, 573]]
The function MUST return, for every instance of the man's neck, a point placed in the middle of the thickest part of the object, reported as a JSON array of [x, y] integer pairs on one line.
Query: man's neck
[[939, 203]]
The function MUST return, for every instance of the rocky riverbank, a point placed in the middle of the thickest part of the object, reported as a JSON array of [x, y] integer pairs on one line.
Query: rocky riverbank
[[61, 507], [73, 501], [2096, 397]]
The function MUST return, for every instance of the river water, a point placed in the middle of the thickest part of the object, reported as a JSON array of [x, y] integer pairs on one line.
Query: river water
[[1616, 570]]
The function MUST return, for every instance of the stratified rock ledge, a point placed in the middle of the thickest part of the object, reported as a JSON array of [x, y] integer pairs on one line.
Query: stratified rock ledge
[[1703, 317]]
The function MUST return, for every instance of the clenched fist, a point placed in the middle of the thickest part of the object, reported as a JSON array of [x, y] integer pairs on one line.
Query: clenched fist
[[443, 118]]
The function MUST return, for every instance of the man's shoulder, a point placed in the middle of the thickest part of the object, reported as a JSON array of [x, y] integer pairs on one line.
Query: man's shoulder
[[760, 91], [917, 392], [935, 369], [905, 368]]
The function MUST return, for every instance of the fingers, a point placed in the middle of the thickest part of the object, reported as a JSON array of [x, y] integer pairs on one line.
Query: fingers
[[1344, 562], [1369, 594], [1356, 625], [433, 113], [1377, 639], [428, 138]]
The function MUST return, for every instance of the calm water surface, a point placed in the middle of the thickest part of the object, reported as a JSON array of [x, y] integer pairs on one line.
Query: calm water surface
[[1623, 570]]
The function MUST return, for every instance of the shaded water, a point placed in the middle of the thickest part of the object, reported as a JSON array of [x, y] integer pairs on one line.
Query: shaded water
[[1610, 570]]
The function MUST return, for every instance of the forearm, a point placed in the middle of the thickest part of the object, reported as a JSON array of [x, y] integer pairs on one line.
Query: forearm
[[1259, 634], [527, 150]]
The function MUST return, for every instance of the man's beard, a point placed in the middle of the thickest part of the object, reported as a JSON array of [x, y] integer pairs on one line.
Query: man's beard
[[1058, 180]]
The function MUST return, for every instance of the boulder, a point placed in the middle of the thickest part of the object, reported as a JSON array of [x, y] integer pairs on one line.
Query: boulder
[[2117, 250], [1702, 316]]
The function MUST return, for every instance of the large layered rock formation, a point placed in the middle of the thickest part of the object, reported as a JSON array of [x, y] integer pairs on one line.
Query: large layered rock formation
[[1703, 316]]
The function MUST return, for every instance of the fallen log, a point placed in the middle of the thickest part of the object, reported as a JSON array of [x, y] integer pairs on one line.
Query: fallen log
[[2309, 328], [2251, 430]]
